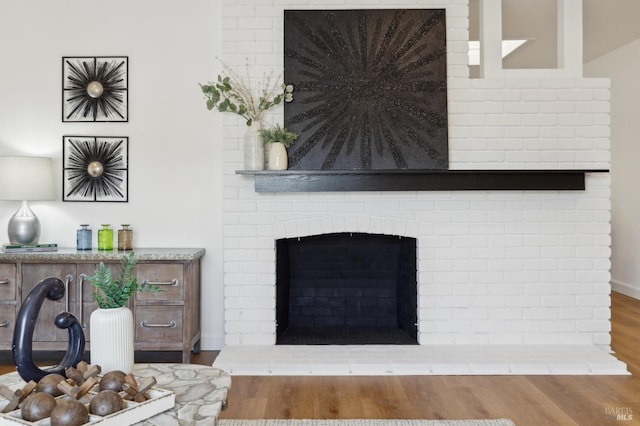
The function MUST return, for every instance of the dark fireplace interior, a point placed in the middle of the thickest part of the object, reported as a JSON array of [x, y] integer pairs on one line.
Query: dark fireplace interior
[[346, 289]]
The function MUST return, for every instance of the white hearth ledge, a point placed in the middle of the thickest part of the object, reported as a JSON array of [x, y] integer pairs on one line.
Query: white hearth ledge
[[338, 360]]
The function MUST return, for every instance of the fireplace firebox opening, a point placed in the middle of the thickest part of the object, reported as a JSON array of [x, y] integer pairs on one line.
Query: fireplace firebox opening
[[346, 288]]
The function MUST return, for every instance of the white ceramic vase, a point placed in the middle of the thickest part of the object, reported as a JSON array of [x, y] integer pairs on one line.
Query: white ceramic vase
[[278, 156], [253, 148], [112, 339], [267, 153]]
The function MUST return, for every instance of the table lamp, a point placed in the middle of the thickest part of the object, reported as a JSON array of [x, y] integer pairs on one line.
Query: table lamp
[[25, 179]]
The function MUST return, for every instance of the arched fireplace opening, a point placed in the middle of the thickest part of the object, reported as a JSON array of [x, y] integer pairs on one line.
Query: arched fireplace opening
[[346, 288]]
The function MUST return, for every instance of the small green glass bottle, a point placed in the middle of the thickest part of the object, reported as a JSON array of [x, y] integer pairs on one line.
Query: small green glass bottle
[[105, 238]]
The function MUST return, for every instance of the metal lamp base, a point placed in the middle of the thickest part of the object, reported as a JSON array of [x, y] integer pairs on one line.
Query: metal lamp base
[[24, 226]]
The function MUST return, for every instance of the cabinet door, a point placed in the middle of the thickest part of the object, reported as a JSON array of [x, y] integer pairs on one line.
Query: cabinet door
[[8, 285], [168, 276], [7, 322], [84, 287], [45, 329], [7, 282], [159, 326], [78, 298]]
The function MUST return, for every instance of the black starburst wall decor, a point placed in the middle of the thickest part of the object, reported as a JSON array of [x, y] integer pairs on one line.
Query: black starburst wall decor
[[370, 88], [95, 168], [95, 88]]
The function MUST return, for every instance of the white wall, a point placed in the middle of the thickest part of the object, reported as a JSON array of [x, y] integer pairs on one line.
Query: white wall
[[622, 66], [176, 167], [175, 191]]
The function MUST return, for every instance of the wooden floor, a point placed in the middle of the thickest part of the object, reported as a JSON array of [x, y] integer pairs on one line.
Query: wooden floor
[[527, 400]]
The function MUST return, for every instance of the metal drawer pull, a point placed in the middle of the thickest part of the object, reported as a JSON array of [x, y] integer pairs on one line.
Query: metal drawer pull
[[4, 324], [172, 324], [5, 281], [81, 300], [67, 280], [174, 282]]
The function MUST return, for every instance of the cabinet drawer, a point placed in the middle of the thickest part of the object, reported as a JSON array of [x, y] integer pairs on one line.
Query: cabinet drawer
[[168, 276], [7, 322], [155, 324], [7, 282]]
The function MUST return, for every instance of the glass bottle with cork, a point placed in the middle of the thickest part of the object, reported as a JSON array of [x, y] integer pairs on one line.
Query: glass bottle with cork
[[83, 238], [125, 238]]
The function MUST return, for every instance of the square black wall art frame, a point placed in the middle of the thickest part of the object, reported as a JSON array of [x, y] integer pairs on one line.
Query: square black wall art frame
[[95, 168], [95, 88], [370, 88]]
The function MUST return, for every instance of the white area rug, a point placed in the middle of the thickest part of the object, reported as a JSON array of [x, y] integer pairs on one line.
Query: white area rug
[[362, 422]]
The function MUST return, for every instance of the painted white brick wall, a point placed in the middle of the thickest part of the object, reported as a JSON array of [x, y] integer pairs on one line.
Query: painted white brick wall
[[494, 267]]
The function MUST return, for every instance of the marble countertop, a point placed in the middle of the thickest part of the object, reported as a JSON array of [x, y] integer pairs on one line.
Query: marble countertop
[[71, 254], [201, 392]]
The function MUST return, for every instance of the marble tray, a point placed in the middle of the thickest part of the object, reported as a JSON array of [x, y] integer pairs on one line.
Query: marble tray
[[160, 400]]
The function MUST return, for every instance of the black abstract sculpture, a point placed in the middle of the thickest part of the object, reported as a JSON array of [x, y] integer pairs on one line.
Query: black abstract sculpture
[[370, 89], [52, 289]]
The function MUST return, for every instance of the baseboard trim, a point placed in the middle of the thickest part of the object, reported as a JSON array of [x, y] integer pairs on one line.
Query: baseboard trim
[[626, 289]]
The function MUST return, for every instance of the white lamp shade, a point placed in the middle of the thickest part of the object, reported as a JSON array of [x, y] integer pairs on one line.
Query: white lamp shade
[[26, 179]]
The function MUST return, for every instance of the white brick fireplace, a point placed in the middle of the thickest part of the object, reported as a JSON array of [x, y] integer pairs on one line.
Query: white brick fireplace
[[517, 268]]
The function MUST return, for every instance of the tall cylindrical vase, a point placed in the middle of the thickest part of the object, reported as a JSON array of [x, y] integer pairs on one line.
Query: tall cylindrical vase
[[112, 339], [253, 148]]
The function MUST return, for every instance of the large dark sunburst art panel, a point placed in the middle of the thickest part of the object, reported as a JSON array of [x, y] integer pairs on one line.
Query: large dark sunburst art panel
[[95, 168], [95, 88], [370, 88]]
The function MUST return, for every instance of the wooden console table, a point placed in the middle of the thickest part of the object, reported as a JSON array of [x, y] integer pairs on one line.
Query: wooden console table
[[165, 321]]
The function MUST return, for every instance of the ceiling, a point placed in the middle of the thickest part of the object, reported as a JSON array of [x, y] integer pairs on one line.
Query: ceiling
[[607, 25]]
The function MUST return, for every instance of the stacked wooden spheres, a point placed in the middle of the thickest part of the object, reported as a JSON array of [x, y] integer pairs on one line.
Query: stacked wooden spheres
[[43, 402]]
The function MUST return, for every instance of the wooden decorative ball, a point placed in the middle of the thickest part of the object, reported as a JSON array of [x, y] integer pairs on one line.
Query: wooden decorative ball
[[106, 402], [69, 412], [113, 380], [37, 406], [49, 384]]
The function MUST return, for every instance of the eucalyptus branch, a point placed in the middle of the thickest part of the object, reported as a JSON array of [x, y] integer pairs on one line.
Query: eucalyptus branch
[[233, 93]]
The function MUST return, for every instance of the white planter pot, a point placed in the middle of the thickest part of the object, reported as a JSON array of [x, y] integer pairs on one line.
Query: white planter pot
[[278, 156], [112, 339], [253, 148]]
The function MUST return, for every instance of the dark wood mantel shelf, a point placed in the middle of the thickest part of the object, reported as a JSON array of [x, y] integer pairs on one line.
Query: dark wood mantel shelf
[[417, 180]]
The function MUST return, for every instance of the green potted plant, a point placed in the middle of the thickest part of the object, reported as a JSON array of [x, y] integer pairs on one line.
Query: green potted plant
[[111, 325], [277, 140], [115, 291]]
